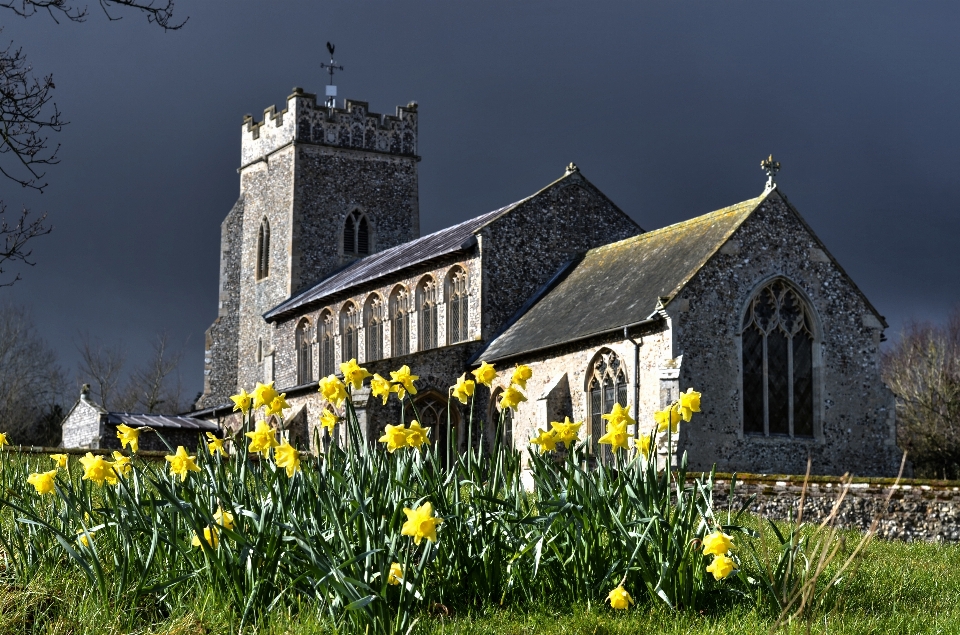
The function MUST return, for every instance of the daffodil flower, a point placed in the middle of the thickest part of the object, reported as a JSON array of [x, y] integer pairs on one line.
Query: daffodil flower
[[287, 457], [381, 387], [485, 374], [416, 435], [333, 390], [242, 401], [421, 523], [511, 398], [404, 381], [215, 445], [277, 406], [328, 420], [520, 376], [717, 543], [546, 439], [689, 404], [263, 395], [721, 567], [181, 463], [262, 439], [96, 468], [43, 482], [395, 437], [567, 431], [667, 418], [395, 575], [129, 436], [353, 374], [619, 599], [464, 389], [60, 460]]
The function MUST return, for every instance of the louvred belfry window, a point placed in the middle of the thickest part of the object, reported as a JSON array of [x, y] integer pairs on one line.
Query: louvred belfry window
[[356, 234], [777, 342]]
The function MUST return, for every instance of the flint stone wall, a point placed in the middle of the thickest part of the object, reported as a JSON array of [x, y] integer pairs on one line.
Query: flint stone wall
[[917, 510]]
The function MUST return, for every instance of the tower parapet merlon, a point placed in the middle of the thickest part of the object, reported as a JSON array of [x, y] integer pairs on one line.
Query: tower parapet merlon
[[304, 120]]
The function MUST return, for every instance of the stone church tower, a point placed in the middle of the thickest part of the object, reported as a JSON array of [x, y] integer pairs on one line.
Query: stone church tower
[[319, 187]]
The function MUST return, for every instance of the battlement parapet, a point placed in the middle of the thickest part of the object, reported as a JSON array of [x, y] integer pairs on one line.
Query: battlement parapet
[[307, 121]]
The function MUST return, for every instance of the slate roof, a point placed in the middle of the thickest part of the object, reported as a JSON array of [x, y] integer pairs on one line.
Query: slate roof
[[619, 284], [384, 263], [160, 421]]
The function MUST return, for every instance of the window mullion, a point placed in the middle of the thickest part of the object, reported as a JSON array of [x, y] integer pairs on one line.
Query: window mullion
[[790, 384], [766, 396]]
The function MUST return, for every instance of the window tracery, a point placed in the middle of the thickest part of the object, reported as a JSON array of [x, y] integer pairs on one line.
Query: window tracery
[[373, 325], [327, 334], [356, 234], [400, 321], [606, 386], [304, 344], [349, 332], [458, 310], [777, 364], [427, 318]]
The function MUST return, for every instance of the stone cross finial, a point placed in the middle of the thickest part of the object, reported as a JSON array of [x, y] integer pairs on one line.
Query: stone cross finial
[[771, 167], [572, 168]]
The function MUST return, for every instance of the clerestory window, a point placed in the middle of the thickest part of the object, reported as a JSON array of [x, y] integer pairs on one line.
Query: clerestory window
[[373, 318], [327, 335], [427, 318], [304, 343], [458, 309], [400, 321]]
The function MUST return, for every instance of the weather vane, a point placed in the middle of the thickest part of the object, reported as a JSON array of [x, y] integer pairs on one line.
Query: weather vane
[[771, 167], [330, 68]]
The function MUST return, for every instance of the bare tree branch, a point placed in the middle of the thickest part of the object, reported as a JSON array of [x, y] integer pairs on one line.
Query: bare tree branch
[[101, 366], [155, 394], [160, 13], [14, 240]]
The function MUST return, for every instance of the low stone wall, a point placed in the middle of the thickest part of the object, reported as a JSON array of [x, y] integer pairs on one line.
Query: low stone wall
[[917, 510]]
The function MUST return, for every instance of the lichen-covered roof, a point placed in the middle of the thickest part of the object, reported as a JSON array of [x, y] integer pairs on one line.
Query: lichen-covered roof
[[620, 283], [390, 261]]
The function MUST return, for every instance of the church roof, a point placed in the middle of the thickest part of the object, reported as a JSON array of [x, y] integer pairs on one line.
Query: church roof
[[618, 284], [389, 261], [160, 421]]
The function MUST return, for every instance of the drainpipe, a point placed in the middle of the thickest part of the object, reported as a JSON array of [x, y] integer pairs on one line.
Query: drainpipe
[[636, 372]]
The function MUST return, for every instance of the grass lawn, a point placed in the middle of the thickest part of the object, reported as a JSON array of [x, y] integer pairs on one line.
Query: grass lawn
[[899, 588]]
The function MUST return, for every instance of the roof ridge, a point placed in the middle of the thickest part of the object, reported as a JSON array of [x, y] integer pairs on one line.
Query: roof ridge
[[696, 220]]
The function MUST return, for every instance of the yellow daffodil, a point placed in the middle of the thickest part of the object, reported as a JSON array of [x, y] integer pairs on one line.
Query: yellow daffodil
[[82, 537], [568, 431], [121, 465], [395, 437], [619, 599], [181, 463], [210, 537], [277, 406], [396, 574], [717, 543], [59, 459], [263, 395], [262, 439], [721, 567], [404, 381], [520, 375], [416, 435], [353, 374], [421, 523], [464, 388], [42, 481], [287, 457], [511, 398], [616, 436], [619, 415], [689, 403], [3, 439], [667, 418], [485, 374], [242, 401], [333, 390], [328, 419], [215, 445], [129, 436], [644, 445], [225, 519], [546, 439], [96, 468], [381, 387]]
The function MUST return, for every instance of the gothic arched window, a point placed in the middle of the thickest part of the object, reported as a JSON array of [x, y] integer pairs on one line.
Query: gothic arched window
[[356, 234], [431, 407], [400, 321], [777, 342], [349, 332], [606, 385], [427, 313], [263, 250], [373, 317], [326, 333], [458, 310], [304, 342]]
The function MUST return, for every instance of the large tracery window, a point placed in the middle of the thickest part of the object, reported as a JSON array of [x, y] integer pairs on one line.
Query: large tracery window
[[606, 386], [263, 250], [356, 234], [304, 352], [427, 317], [326, 334], [458, 314], [400, 321], [777, 343], [349, 332], [373, 317]]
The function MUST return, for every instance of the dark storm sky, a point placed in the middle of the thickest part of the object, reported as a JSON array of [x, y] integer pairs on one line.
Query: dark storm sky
[[667, 107]]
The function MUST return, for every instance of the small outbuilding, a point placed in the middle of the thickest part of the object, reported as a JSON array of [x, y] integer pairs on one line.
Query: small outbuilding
[[89, 425]]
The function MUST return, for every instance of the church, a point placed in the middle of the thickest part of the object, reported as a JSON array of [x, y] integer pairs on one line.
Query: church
[[322, 261]]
